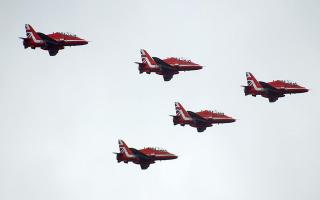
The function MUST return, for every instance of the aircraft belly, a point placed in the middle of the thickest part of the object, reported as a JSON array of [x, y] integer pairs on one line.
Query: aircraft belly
[[185, 68], [293, 91], [72, 43], [163, 158]]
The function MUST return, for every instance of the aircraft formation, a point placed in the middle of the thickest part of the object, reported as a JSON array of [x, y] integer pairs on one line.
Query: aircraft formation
[[167, 68]]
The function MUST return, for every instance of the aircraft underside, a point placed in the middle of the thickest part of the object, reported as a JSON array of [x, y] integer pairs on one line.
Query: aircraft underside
[[53, 52], [272, 98], [167, 77], [144, 165], [201, 129]]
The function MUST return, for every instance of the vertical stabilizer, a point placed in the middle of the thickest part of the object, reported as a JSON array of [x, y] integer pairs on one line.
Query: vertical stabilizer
[[147, 59], [181, 112], [32, 34], [125, 150], [252, 82]]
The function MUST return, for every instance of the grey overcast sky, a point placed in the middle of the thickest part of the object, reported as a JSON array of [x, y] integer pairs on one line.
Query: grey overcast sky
[[60, 117]]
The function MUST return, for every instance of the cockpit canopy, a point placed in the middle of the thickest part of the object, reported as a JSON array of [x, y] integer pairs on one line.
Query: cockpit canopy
[[289, 82], [181, 59], [184, 59], [216, 112], [156, 149], [67, 34]]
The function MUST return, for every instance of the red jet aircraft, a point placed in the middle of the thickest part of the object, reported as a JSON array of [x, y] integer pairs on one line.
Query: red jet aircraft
[[201, 120], [51, 42], [271, 90], [166, 67], [143, 157]]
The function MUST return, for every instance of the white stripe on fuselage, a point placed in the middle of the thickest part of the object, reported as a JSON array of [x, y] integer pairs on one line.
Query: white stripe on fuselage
[[186, 65], [71, 40], [218, 118], [162, 155], [289, 88]]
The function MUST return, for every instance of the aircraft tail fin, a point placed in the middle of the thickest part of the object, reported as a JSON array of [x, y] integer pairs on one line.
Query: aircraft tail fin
[[147, 59], [252, 81], [181, 112], [32, 34], [124, 149]]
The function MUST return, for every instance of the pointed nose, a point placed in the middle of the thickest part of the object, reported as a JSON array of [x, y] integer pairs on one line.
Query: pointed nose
[[230, 120], [305, 90], [85, 42], [174, 156]]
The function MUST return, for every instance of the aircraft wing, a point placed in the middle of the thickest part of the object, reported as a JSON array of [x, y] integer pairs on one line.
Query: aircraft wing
[[49, 41], [198, 119], [164, 66], [271, 90], [142, 157]]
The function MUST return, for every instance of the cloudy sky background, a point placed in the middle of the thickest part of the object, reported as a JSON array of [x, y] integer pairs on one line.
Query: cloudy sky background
[[60, 117]]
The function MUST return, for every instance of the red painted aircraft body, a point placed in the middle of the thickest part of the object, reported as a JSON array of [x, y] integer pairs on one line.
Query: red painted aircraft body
[[143, 157], [166, 67], [200, 120], [271, 90], [51, 42]]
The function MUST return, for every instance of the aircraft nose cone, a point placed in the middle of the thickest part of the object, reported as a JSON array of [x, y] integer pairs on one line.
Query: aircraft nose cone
[[174, 156], [306, 90]]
